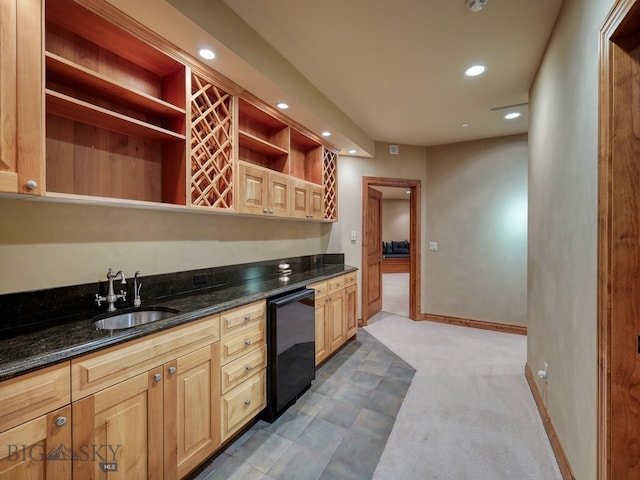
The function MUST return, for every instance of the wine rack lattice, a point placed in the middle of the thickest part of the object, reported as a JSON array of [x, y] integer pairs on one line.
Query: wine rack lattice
[[211, 145], [330, 181]]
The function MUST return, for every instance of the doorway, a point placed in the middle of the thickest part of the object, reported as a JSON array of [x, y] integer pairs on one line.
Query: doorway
[[619, 245], [372, 245]]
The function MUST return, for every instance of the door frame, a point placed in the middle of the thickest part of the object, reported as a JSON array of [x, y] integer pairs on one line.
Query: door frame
[[414, 239], [618, 242]]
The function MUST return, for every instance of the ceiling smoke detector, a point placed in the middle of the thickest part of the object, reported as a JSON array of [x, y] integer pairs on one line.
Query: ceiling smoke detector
[[476, 5]]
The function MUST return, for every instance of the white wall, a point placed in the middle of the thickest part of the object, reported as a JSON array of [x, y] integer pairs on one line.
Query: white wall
[[477, 212], [395, 219], [472, 205], [562, 266]]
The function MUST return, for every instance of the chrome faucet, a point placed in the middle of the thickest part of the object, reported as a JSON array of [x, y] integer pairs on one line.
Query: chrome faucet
[[112, 297], [136, 290]]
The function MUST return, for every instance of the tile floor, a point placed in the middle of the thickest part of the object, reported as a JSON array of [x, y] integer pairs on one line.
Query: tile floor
[[336, 431]]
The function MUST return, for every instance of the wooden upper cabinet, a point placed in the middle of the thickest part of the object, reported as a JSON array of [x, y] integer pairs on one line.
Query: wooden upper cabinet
[[307, 200], [21, 147], [95, 106], [263, 192], [115, 111]]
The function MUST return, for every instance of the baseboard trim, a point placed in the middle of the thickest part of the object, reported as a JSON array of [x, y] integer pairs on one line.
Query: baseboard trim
[[465, 322], [561, 457]]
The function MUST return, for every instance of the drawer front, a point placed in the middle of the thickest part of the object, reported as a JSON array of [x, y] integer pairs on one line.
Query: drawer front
[[350, 279], [320, 288], [337, 283], [242, 368], [33, 394], [235, 320], [243, 403], [99, 370], [247, 340]]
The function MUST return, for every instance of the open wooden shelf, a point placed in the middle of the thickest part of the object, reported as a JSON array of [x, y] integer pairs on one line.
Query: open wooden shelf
[[259, 145], [68, 107], [89, 25], [305, 158], [99, 85]]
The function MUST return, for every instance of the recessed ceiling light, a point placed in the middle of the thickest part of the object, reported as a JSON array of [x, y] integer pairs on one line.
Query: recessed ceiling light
[[475, 70], [282, 105], [408, 192], [326, 134], [464, 125], [352, 151], [512, 115], [207, 54]]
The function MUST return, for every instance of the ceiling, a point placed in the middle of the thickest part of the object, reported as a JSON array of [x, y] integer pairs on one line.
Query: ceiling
[[396, 67]]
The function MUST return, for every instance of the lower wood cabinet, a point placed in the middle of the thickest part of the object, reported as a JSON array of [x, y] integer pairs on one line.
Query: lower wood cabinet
[[151, 407], [35, 425], [38, 449], [336, 311], [243, 352]]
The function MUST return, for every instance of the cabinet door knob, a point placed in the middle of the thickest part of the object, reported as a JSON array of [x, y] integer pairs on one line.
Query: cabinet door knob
[[266, 210], [247, 402], [61, 421], [32, 184], [270, 211], [247, 342], [157, 377], [249, 368], [247, 318], [172, 370]]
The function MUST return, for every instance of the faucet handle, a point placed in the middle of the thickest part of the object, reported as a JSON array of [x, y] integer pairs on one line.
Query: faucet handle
[[123, 294], [100, 299]]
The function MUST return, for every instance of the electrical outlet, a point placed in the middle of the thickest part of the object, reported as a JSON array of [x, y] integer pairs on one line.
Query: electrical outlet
[[200, 279]]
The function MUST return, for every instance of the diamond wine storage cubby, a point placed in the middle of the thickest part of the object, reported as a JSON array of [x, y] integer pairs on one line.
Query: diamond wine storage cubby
[[115, 111], [211, 145], [330, 180]]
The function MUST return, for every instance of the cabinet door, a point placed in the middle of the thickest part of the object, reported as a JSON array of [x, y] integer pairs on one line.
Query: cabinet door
[[39, 449], [21, 117], [299, 200], [351, 309], [253, 190], [118, 432], [316, 202], [192, 404], [336, 314], [279, 195], [322, 332]]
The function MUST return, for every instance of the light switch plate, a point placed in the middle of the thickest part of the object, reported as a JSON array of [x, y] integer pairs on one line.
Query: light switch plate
[[354, 235], [433, 246]]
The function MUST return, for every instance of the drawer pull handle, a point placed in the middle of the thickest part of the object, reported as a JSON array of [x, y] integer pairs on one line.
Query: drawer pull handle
[[61, 421], [249, 368], [172, 370], [247, 402], [247, 318], [247, 342], [157, 377]]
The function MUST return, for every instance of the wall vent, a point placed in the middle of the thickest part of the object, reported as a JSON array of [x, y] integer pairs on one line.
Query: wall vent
[[394, 150]]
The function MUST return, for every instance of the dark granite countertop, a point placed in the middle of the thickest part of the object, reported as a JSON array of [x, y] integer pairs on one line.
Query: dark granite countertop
[[31, 351]]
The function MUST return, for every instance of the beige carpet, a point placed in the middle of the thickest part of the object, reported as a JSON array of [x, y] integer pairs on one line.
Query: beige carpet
[[395, 293], [469, 413]]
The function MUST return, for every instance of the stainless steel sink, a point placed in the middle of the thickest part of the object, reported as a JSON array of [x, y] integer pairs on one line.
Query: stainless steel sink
[[133, 318]]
